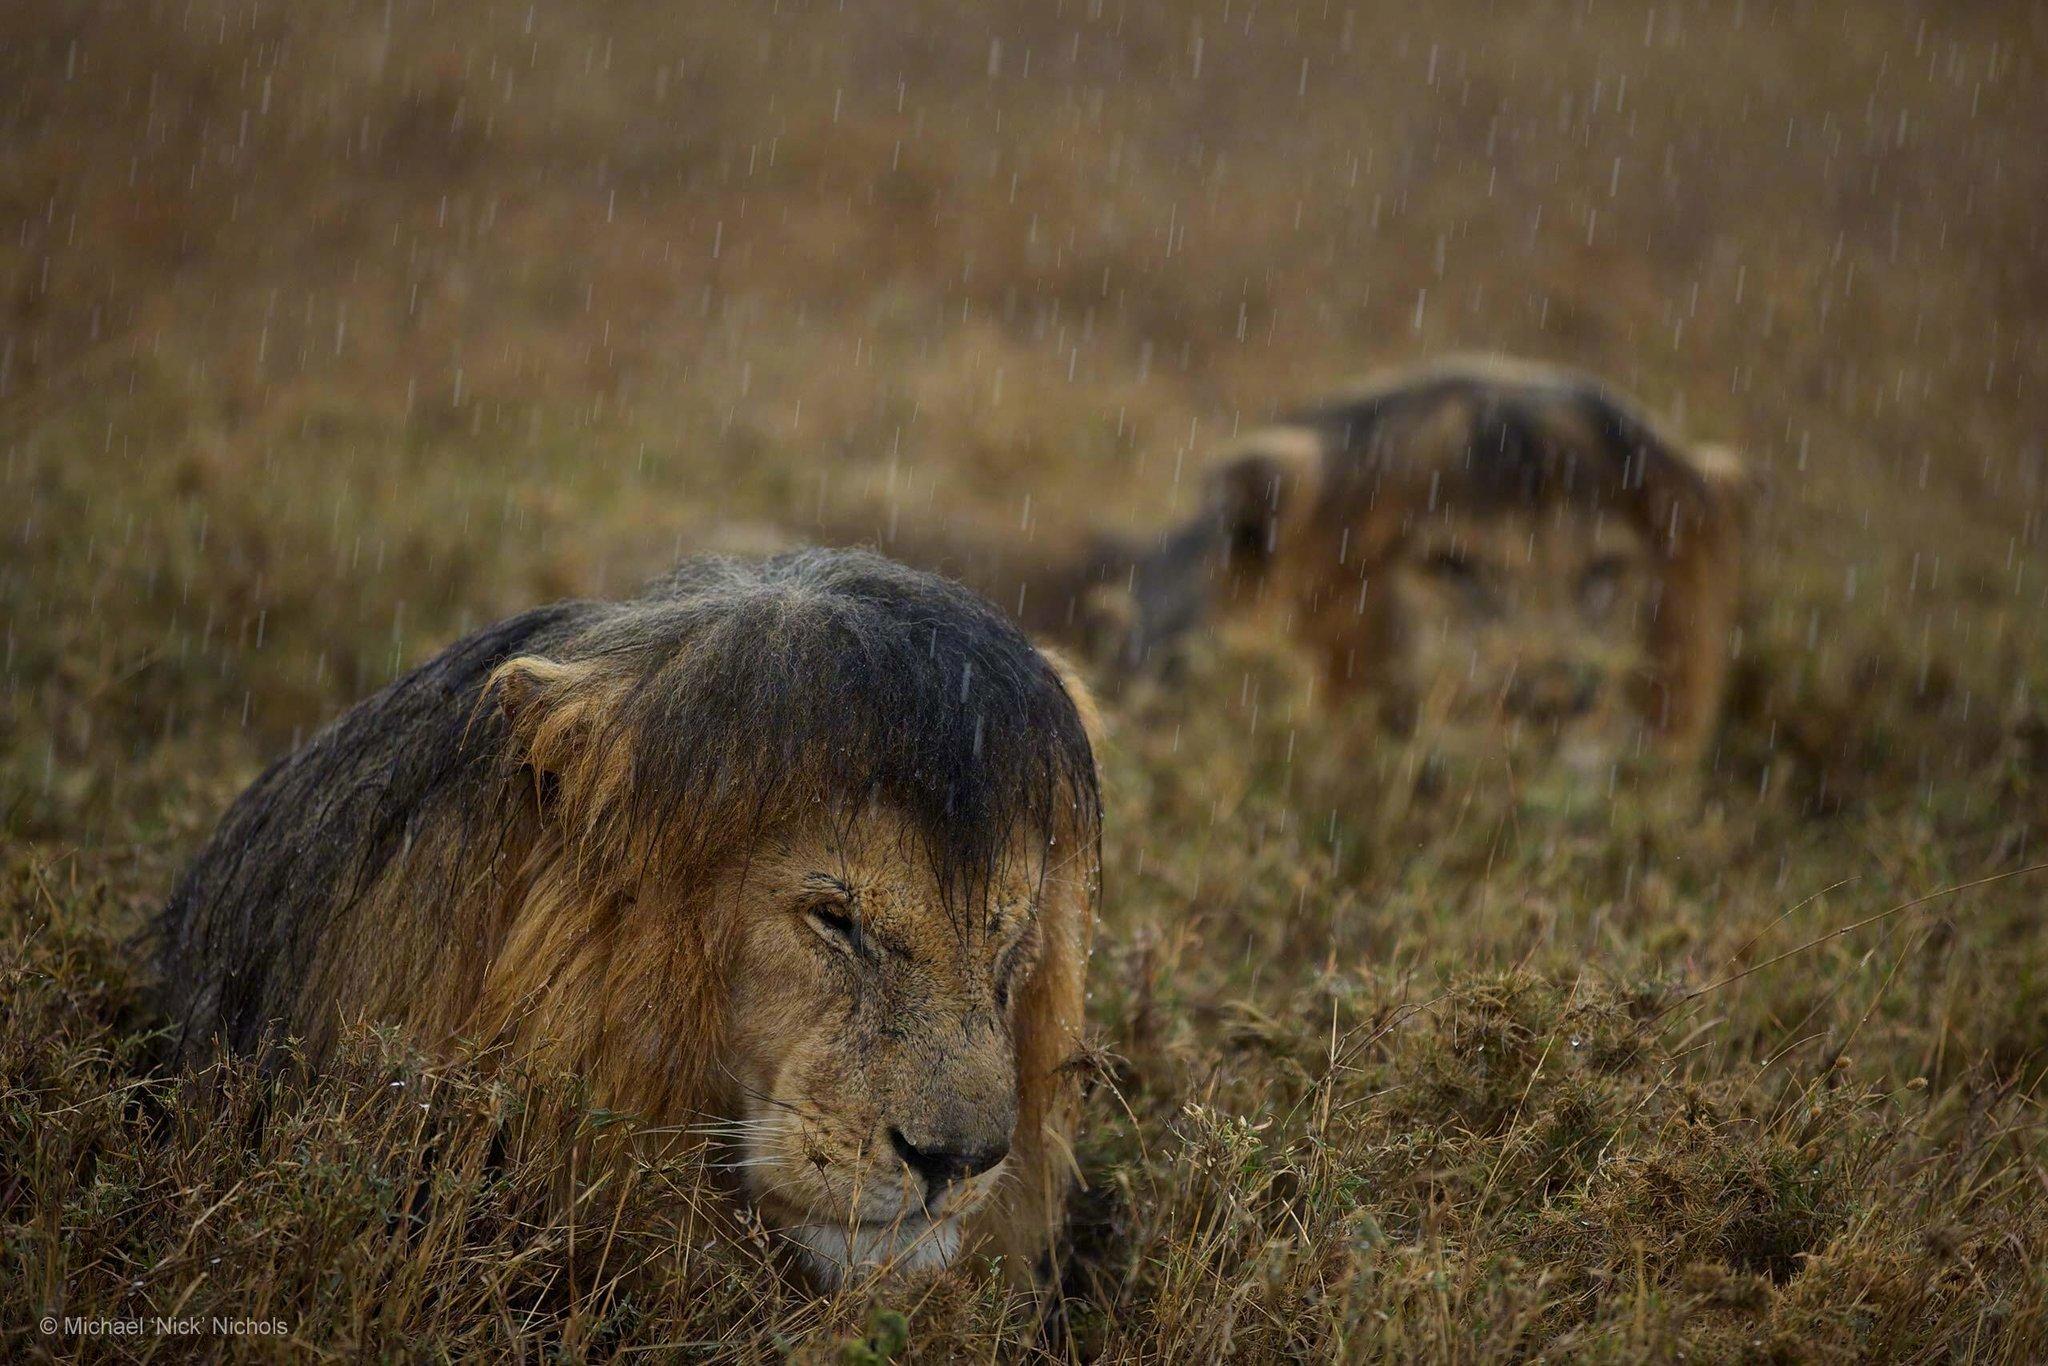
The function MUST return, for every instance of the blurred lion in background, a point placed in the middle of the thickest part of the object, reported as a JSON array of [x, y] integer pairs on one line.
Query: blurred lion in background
[[1499, 555], [801, 853]]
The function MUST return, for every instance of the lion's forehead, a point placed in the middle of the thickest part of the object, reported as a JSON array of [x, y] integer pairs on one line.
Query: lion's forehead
[[1552, 522], [908, 906], [883, 866], [1536, 542]]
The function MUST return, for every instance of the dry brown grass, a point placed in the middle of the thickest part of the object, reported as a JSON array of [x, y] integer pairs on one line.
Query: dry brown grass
[[329, 331]]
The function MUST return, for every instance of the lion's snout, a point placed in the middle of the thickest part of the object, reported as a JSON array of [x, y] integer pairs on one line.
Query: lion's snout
[[953, 1115], [947, 1159], [1553, 691]]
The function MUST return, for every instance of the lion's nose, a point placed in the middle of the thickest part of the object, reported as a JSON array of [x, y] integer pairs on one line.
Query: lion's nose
[[1556, 691], [943, 1162]]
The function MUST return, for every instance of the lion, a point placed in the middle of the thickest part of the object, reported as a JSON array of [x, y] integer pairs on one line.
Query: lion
[[1490, 551], [802, 852]]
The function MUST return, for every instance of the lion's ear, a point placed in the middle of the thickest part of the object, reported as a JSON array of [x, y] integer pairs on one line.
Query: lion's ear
[[554, 707], [524, 681], [1254, 502], [1730, 481], [1258, 495], [1704, 532], [1079, 693]]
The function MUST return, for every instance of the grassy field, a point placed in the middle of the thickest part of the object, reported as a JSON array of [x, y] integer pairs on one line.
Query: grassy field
[[331, 331]]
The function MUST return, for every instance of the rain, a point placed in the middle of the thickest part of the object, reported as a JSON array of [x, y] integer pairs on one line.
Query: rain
[[1516, 531]]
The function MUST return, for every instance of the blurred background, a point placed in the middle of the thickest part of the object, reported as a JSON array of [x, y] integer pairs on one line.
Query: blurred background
[[364, 320], [331, 331]]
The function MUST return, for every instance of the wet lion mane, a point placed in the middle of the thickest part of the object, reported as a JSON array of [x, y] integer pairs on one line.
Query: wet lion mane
[[1310, 507], [513, 841]]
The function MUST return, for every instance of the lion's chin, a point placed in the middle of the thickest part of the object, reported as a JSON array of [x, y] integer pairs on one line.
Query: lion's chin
[[911, 1247]]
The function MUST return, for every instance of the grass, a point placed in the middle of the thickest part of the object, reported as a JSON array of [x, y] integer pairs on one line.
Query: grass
[[330, 332]]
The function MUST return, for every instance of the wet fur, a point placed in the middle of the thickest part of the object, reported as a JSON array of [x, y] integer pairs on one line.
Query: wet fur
[[1072, 589], [513, 844], [1305, 515]]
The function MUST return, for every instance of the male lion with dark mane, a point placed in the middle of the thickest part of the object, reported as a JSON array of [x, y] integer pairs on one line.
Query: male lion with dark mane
[[1495, 552], [805, 851]]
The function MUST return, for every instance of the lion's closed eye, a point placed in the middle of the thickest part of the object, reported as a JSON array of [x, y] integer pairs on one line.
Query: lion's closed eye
[[831, 918], [1450, 565], [1466, 582]]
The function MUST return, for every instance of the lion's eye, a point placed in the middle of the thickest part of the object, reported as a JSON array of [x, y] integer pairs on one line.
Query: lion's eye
[[1450, 566], [832, 923], [1600, 585], [1466, 581]]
